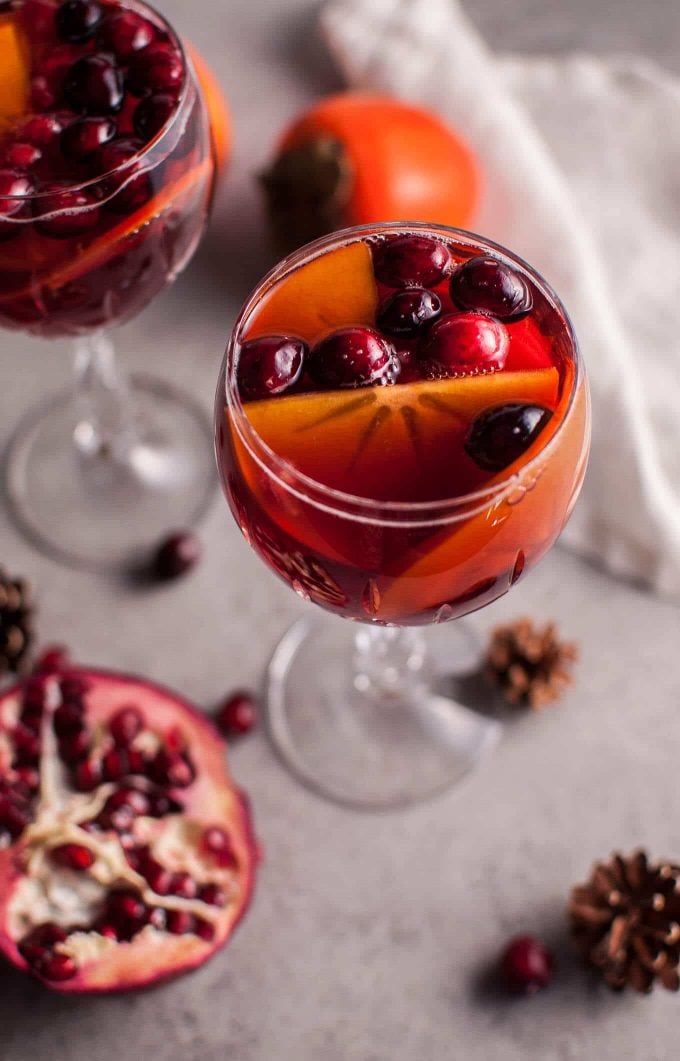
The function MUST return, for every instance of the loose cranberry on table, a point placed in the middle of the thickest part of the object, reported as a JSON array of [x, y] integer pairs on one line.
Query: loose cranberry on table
[[270, 366], [500, 435], [177, 555], [487, 285], [351, 357], [410, 261], [461, 343], [238, 714], [526, 965], [408, 313]]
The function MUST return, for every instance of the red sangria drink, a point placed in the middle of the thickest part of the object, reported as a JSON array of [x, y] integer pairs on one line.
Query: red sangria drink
[[402, 432], [106, 176]]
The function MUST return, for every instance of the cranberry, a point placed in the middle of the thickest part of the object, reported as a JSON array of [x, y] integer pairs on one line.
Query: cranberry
[[158, 68], [115, 158], [125, 34], [238, 714], [152, 115], [500, 435], [39, 16], [21, 155], [94, 85], [408, 261], [73, 856], [487, 285], [270, 366], [74, 213], [465, 342], [177, 555], [14, 187], [351, 357], [43, 92], [408, 313], [126, 724], [527, 965], [82, 138], [43, 129], [76, 20]]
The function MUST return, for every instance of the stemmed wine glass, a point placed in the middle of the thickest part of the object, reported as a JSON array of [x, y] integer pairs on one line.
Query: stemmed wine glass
[[391, 487], [94, 475]]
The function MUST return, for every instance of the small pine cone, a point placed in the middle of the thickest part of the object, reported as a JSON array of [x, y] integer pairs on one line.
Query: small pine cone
[[626, 922], [530, 666], [16, 624]]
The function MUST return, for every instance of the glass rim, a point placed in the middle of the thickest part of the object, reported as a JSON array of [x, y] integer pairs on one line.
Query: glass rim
[[352, 505], [188, 80]]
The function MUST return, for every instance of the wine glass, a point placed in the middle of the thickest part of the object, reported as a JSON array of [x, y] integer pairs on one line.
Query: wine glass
[[97, 473], [319, 483]]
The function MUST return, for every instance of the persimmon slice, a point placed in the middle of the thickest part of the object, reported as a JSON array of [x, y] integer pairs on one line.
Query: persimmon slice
[[394, 443], [13, 71], [327, 293]]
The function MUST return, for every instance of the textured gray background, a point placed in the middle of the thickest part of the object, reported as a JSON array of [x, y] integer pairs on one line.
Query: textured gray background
[[370, 936]]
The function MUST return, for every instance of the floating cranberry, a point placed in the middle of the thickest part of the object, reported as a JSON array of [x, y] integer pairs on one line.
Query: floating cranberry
[[177, 555], [94, 85], [487, 285], [411, 261], [270, 366], [15, 186], [73, 213], [22, 155], [73, 856], [407, 313], [352, 357], [126, 724], [117, 159], [465, 342], [152, 114], [500, 435], [82, 138], [125, 34], [158, 68], [43, 92], [77, 20], [527, 965], [43, 129], [238, 714]]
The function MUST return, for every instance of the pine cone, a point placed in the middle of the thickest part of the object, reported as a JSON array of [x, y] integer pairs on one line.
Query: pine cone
[[530, 666], [16, 623], [626, 922]]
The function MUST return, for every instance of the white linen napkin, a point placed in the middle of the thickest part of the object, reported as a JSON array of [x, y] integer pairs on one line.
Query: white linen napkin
[[582, 178]]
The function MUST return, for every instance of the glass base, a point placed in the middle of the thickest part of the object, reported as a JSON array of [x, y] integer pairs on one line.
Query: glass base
[[92, 504], [368, 723]]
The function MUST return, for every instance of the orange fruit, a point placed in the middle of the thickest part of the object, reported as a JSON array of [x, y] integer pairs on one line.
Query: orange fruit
[[216, 104], [13, 71]]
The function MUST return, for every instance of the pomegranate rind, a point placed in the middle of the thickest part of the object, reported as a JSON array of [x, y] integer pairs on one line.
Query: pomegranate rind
[[151, 957]]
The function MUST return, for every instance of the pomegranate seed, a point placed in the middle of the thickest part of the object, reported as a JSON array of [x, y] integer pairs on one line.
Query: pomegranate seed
[[486, 285], [107, 931], [27, 744], [52, 659], [22, 155], [153, 114], [73, 856], [204, 929], [120, 819], [158, 918], [465, 342], [408, 313], [94, 85], [12, 819], [238, 714], [175, 771], [87, 776], [14, 187], [115, 764], [411, 261], [41, 939], [132, 798], [127, 913], [75, 212], [175, 741], [74, 747], [56, 967], [218, 844], [137, 761], [351, 357], [163, 804], [527, 965], [29, 777], [67, 719], [179, 922], [31, 718], [125, 34], [159, 879], [84, 137], [212, 894], [126, 724], [184, 885], [158, 68], [34, 693], [270, 366], [73, 686], [76, 20], [500, 435], [136, 856], [43, 129], [177, 555]]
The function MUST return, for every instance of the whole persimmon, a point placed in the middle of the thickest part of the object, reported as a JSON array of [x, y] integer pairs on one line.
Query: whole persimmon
[[355, 158]]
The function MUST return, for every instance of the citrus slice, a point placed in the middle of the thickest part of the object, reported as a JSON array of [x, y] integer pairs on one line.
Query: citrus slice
[[216, 106], [329, 292], [395, 443], [13, 71]]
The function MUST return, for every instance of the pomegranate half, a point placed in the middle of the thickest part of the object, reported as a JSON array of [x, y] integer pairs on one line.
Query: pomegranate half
[[126, 853]]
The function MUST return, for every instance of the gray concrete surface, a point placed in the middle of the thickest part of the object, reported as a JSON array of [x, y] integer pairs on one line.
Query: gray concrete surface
[[370, 935]]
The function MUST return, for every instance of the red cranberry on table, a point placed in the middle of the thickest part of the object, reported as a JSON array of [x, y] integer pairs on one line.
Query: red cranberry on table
[[237, 715], [94, 85], [77, 20], [270, 366], [409, 261], [82, 138], [465, 342], [527, 965], [500, 435], [152, 114], [487, 285], [407, 313], [352, 357], [125, 33], [75, 213], [158, 68], [177, 555]]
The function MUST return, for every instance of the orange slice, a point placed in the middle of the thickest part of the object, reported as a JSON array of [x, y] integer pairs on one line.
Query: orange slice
[[216, 105], [13, 71], [329, 292], [395, 443]]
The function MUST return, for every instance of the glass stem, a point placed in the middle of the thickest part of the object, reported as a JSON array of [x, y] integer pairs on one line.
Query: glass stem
[[389, 661], [105, 429]]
